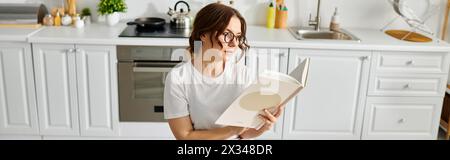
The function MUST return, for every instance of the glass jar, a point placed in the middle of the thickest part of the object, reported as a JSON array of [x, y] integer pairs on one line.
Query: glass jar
[[48, 20]]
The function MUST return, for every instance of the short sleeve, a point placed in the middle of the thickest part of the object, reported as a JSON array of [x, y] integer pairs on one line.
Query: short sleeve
[[175, 101]]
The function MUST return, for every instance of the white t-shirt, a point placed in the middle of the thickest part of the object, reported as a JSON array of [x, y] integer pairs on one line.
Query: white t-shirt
[[188, 92]]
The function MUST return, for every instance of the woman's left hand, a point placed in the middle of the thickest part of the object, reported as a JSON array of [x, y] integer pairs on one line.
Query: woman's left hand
[[269, 120]]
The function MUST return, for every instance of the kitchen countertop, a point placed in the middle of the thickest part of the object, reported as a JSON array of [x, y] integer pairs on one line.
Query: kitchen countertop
[[258, 36], [16, 34]]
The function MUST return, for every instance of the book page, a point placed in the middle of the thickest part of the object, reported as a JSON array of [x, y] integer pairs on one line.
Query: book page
[[269, 91], [300, 73]]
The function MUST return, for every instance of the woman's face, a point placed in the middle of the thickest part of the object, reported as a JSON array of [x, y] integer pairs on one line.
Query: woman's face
[[230, 44]]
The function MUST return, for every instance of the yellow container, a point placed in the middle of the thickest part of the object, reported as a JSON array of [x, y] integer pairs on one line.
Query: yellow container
[[270, 16], [57, 19], [281, 18]]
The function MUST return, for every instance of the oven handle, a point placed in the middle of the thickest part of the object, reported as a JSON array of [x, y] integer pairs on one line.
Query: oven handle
[[153, 66]]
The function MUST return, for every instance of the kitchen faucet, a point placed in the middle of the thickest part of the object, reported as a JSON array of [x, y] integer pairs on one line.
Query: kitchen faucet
[[316, 22]]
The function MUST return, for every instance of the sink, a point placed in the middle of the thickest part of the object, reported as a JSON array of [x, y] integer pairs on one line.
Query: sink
[[323, 34]]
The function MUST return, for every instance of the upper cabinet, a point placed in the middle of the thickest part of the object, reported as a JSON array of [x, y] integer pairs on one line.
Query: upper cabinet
[[331, 105], [18, 113], [76, 89]]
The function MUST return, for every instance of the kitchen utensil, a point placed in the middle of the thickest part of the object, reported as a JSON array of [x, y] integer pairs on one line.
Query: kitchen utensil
[[18, 13], [413, 9], [148, 22], [180, 19], [415, 14]]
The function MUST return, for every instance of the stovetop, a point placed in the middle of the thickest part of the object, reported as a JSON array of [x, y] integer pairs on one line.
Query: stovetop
[[164, 32]]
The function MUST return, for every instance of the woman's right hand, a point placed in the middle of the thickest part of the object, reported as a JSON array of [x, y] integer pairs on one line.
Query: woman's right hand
[[237, 130]]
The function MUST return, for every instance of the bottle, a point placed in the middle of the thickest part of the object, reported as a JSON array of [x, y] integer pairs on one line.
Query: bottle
[[334, 24], [270, 16], [57, 19]]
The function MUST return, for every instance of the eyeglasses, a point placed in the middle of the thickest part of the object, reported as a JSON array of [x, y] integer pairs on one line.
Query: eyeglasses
[[228, 37]]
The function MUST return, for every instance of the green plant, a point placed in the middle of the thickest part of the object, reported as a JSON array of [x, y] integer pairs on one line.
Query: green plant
[[111, 6], [85, 12]]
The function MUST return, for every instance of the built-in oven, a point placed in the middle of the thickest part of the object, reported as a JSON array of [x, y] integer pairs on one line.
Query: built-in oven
[[141, 74]]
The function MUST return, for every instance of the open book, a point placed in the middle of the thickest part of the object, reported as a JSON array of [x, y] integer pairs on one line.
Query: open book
[[270, 90]]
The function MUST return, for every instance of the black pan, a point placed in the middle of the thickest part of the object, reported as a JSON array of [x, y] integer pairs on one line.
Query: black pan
[[148, 22]]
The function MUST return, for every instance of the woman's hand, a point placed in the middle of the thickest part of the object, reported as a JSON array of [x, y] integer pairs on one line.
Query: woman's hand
[[269, 120], [237, 130]]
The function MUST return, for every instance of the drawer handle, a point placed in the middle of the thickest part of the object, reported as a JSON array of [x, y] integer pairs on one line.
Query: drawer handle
[[71, 50], [402, 120], [410, 62]]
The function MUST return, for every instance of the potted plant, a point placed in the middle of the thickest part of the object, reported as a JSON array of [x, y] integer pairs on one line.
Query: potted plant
[[110, 8], [86, 15]]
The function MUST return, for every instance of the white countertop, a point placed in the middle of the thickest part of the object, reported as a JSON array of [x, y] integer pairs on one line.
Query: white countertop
[[258, 36], [16, 34]]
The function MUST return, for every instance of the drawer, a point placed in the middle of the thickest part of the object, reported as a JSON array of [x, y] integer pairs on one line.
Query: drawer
[[410, 62], [407, 85], [401, 118]]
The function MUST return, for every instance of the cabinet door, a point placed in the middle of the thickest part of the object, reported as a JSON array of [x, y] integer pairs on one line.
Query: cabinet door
[[332, 103], [97, 90], [260, 59], [18, 113], [56, 89], [402, 118]]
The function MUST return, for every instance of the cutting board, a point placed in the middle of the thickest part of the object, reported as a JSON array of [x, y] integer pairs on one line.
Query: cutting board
[[412, 37], [33, 26]]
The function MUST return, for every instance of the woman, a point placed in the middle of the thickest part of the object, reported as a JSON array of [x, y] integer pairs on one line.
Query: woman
[[199, 91]]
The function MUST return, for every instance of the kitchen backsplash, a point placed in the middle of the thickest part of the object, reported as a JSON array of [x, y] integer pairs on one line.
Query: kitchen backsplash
[[353, 13]]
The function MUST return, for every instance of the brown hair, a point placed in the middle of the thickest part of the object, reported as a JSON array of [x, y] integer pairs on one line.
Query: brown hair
[[214, 19]]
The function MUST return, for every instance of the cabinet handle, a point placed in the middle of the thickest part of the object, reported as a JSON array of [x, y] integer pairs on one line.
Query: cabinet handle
[[402, 120], [364, 58], [410, 62], [71, 50], [77, 50], [406, 86]]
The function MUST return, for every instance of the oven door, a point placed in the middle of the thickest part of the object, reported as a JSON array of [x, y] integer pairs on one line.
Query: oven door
[[141, 90]]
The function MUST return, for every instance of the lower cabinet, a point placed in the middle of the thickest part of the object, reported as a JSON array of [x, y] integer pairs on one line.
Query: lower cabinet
[[331, 105], [55, 91], [76, 89], [18, 114], [402, 118], [274, 59]]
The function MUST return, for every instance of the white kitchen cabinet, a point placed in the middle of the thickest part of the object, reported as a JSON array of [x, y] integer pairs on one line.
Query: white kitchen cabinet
[[405, 95], [97, 90], [410, 62], [275, 59], [18, 113], [402, 117], [77, 89], [56, 89], [331, 106]]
